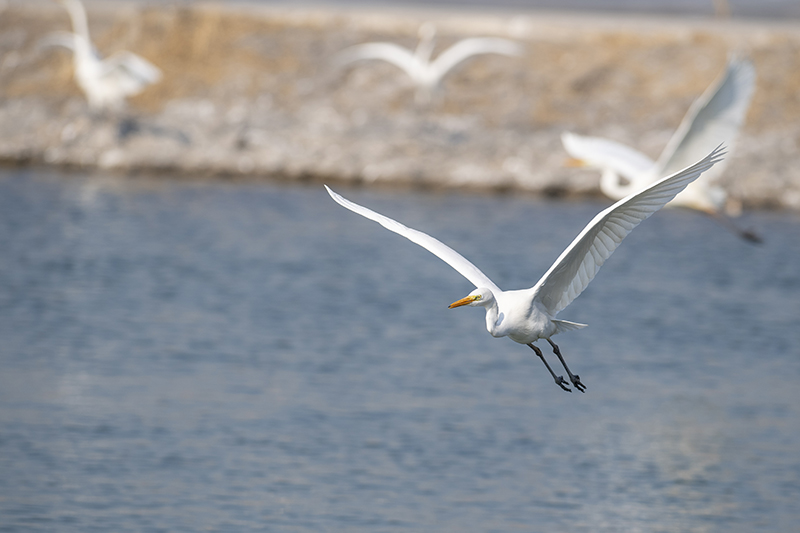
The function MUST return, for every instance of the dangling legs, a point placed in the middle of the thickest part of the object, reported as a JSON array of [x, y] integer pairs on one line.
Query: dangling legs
[[559, 379], [574, 378], [745, 234]]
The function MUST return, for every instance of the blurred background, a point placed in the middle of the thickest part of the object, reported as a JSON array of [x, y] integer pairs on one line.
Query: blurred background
[[194, 336]]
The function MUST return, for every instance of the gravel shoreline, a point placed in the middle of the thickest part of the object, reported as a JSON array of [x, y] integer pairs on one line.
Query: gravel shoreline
[[249, 91]]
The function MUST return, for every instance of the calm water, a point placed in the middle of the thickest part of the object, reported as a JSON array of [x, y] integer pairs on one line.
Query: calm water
[[245, 357]]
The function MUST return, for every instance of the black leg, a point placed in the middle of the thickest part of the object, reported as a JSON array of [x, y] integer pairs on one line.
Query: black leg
[[574, 378], [745, 234], [559, 379]]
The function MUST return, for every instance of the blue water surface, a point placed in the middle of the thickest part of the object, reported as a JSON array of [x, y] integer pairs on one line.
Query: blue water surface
[[214, 356]]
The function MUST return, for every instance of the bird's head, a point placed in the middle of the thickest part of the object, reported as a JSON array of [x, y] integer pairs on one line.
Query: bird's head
[[574, 162], [427, 31], [478, 297]]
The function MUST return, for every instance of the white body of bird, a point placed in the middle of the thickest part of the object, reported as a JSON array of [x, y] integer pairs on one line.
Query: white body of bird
[[716, 117], [425, 73], [528, 315], [105, 82]]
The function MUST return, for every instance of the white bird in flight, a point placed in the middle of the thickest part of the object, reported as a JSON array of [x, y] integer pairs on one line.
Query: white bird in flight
[[716, 117], [528, 315], [425, 73], [105, 82]]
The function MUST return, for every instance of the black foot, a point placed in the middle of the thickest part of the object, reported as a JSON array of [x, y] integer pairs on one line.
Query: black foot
[[751, 236], [576, 381], [574, 378], [561, 382]]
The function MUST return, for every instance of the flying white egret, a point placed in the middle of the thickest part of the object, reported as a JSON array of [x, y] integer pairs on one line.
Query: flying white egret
[[528, 315], [427, 74], [105, 82], [716, 117]]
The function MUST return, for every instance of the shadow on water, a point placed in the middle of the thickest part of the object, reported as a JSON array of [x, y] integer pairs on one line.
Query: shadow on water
[[252, 356]]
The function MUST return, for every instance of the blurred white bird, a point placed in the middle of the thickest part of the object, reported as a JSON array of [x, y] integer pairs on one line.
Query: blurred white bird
[[427, 74], [528, 315], [105, 82], [716, 117]]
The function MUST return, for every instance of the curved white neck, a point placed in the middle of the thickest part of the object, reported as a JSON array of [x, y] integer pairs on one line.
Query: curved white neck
[[492, 314], [77, 14], [612, 186], [425, 46], [84, 52]]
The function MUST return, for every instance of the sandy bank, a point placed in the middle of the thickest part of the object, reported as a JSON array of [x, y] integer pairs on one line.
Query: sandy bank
[[249, 90]]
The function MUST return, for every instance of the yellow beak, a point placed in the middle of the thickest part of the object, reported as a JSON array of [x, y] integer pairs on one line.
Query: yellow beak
[[574, 162], [463, 301]]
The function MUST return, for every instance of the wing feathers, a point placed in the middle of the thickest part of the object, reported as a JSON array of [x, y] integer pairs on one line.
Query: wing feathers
[[579, 263], [389, 52], [434, 246], [715, 117], [467, 48]]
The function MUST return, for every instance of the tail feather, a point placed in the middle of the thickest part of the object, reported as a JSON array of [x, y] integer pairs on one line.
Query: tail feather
[[566, 325]]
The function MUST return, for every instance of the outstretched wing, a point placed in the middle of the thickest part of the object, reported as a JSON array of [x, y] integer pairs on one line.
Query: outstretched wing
[[714, 118], [470, 47], [389, 52], [437, 248], [138, 69], [579, 263], [59, 38]]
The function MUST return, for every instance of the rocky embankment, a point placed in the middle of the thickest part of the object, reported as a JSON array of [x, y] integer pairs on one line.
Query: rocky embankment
[[251, 91]]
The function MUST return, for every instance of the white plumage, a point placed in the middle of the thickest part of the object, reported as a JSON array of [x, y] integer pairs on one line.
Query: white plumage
[[105, 82], [425, 73], [716, 117], [528, 315]]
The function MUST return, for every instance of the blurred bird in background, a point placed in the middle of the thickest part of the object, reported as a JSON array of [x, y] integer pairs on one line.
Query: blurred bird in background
[[716, 117], [105, 82], [427, 74]]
